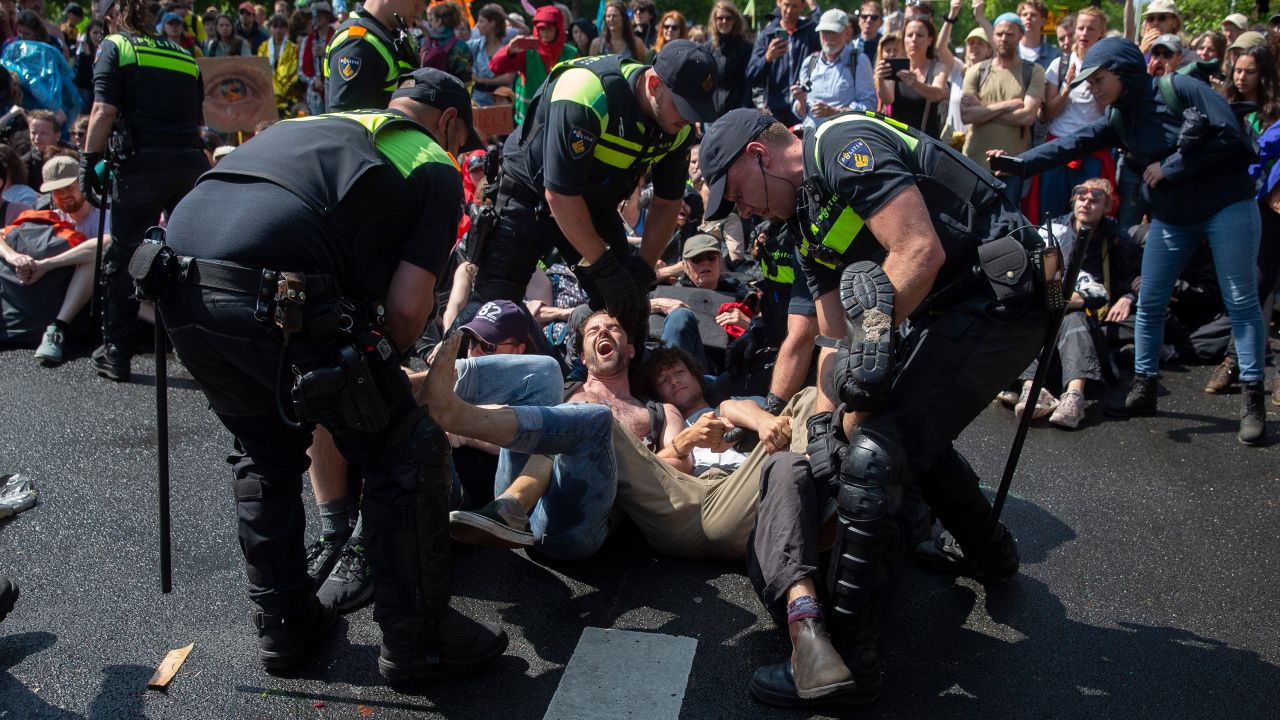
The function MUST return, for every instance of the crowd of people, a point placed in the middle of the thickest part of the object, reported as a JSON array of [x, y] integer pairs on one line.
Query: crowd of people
[[641, 308]]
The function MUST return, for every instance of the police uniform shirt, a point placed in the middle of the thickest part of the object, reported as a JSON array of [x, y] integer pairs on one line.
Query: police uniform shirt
[[359, 74], [384, 218], [155, 84], [865, 164], [569, 160]]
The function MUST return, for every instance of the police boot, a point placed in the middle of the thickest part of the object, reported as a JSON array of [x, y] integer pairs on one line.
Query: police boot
[[1253, 413], [409, 547], [1141, 399], [112, 362], [286, 641], [997, 561]]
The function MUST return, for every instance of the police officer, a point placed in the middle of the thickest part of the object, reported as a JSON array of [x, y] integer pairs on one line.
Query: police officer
[[894, 228], [789, 313], [369, 53], [326, 276], [596, 128], [148, 107]]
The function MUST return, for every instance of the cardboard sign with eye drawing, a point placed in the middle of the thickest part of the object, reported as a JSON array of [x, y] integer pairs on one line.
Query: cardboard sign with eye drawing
[[237, 93]]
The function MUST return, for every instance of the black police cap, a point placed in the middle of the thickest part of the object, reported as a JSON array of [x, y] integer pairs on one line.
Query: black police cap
[[441, 90], [722, 143], [689, 71]]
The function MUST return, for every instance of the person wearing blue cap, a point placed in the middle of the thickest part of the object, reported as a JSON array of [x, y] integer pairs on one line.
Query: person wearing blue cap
[[893, 225], [597, 127], [1193, 156], [330, 271]]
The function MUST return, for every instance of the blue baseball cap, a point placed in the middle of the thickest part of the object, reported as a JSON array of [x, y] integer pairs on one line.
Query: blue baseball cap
[[1010, 18]]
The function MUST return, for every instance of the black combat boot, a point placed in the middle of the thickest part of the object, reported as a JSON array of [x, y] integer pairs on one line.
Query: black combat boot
[[8, 596], [1253, 413], [112, 362], [287, 641], [997, 561], [1141, 399]]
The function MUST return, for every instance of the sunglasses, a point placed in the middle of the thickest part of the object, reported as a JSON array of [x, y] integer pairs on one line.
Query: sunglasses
[[1158, 18], [1081, 192], [867, 16], [1161, 52], [670, 27], [487, 348], [724, 18]]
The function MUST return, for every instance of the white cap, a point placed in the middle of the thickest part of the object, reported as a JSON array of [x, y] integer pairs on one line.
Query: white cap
[[1238, 19], [834, 21]]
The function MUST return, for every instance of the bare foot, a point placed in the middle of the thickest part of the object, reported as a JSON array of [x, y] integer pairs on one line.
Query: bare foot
[[436, 393]]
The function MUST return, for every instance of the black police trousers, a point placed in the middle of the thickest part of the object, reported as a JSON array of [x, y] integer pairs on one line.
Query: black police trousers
[[150, 182], [955, 363], [235, 360]]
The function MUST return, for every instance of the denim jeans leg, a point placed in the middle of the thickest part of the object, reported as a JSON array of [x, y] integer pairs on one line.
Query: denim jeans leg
[[572, 519], [1234, 233], [680, 330], [1168, 247], [532, 380]]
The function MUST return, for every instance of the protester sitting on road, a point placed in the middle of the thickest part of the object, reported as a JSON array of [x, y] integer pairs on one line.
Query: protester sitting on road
[[703, 268], [1102, 293], [64, 238]]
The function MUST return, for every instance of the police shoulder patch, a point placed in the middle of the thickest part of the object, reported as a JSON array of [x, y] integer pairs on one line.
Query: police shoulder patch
[[348, 67], [856, 157], [580, 142]]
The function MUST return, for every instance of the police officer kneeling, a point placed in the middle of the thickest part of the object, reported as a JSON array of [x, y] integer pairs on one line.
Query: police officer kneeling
[[894, 227], [294, 310]]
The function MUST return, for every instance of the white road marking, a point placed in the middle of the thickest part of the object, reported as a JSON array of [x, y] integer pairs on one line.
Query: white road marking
[[624, 674]]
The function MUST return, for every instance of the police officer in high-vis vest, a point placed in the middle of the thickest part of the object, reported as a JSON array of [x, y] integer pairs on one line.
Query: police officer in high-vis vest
[[788, 313], [297, 314], [597, 127], [148, 101], [907, 238], [369, 54]]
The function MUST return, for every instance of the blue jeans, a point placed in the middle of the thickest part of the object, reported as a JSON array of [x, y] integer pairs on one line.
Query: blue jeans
[[680, 330], [571, 520], [1233, 234]]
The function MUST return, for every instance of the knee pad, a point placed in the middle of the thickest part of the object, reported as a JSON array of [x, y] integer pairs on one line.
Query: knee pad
[[874, 460]]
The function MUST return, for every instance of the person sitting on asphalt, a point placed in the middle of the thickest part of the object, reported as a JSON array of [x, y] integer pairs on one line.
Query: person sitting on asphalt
[[703, 266], [56, 272], [1102, 293]]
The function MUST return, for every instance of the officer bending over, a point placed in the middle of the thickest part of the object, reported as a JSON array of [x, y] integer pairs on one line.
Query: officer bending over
[[343, 223], [892, 225], [597, 126]]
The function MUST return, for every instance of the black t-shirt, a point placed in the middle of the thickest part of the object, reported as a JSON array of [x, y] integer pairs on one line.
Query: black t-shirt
[[562, 154], [155, 84], [383, 219], [359, 78], [866, 164]]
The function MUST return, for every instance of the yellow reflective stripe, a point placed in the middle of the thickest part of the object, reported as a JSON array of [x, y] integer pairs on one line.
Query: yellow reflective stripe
[[621, 141], [609, 156], [898, 128], [409, 148], [582, 86], [847, 226], [124, 48], [785, 275]]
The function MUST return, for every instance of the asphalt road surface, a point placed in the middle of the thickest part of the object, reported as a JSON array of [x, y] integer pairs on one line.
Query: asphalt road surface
[[1148, 587]]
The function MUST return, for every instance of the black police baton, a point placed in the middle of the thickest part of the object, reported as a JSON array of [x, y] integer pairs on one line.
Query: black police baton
[[1058, 308], [94, 303], [162, 451]]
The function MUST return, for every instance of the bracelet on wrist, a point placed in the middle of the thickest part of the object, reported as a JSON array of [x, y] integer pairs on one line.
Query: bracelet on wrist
[[951, 20]]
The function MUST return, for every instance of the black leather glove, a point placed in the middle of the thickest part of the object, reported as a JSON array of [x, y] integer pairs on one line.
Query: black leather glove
[[92, 182], [741, 352], [617, 288], [774, 405], [827, 445], [644, 276]]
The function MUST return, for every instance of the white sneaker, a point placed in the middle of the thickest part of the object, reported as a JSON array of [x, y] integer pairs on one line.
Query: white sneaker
[[1044, 405], [1070, 410], [50, 350]]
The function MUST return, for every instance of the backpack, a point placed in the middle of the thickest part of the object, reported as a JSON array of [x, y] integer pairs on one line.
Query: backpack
[[853, 65], [27, 309], [1171, 99], [437, 55]]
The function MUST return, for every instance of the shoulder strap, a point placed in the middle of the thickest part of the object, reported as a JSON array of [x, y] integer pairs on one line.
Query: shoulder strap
[[811, 64], [1028, 68], [657, 423], [1171, 98], [1117, 124], [984, 72], [853, 64]]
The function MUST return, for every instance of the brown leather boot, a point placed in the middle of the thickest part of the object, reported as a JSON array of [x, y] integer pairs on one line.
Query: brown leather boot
[[816, 666]]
